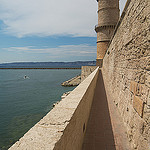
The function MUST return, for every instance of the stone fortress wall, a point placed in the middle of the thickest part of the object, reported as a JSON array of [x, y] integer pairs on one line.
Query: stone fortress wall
[[126, 71]]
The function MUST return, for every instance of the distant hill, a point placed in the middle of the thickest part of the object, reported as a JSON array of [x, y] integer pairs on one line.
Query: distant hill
[[76, 64]]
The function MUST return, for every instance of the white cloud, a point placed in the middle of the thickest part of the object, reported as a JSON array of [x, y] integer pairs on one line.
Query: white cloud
[[49, 17], [63, 50]]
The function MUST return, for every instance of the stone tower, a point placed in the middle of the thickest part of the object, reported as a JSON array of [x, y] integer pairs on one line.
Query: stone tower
[[108, 15]]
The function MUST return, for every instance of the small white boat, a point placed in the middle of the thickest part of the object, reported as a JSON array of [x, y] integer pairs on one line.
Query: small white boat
[[26, 77]]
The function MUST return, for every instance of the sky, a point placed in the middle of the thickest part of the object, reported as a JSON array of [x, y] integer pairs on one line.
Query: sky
[[48, 30]]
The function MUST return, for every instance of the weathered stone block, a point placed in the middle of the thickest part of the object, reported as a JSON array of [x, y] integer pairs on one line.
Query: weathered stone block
[[138, 105], [136, 88], [133, 86], [142, 79]]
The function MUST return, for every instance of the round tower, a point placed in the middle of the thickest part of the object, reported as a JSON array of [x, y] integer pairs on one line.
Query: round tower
[[108, 15]]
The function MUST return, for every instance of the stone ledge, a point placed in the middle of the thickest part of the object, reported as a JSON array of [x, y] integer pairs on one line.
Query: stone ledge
[[63, 126]]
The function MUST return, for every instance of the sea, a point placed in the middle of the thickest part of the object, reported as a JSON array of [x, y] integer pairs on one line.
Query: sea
[[24, 101]]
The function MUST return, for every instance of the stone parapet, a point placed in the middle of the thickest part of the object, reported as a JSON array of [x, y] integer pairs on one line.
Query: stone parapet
[[99, 62], [104, 33], [108, 4], [86, 71], [63, 128]]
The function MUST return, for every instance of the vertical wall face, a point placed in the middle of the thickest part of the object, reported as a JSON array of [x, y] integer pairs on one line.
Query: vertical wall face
[[86, 71], [108, 14], [101, 47], [126, 72]]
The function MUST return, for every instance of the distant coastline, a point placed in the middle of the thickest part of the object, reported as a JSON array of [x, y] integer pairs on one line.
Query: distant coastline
[[47, 65], [40, 68]]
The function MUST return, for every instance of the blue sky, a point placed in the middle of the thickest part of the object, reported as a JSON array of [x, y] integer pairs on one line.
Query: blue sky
[[48, 30]]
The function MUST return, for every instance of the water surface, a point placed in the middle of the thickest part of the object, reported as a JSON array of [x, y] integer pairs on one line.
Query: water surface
[[23, 102]]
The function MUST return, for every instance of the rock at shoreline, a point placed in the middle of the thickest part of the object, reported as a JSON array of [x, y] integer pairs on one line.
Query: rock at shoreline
[[55, 104], [72, 82], [65, 94]]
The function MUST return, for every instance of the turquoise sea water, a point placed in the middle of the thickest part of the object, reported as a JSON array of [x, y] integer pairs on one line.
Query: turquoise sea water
[[23, 102]]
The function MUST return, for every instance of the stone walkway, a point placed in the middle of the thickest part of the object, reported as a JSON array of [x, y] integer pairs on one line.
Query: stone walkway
[[105, 130]]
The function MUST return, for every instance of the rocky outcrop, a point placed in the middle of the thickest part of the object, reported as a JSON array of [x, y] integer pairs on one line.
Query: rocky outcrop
[[72, 82], [65, 94], [85, 72]]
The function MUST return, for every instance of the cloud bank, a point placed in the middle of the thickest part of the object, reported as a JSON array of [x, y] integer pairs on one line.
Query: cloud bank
[[49, 17], [63, 50]]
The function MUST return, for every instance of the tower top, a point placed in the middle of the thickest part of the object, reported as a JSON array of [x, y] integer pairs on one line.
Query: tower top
[[108, 15]]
